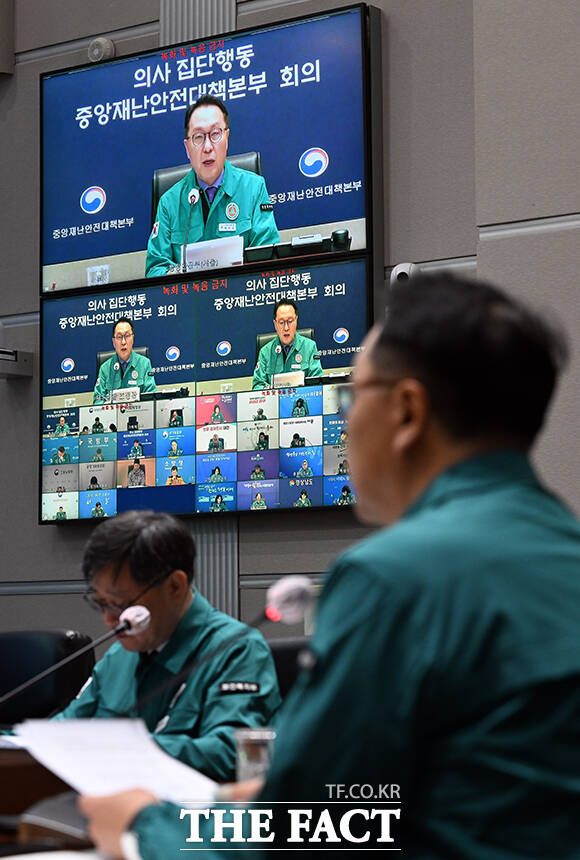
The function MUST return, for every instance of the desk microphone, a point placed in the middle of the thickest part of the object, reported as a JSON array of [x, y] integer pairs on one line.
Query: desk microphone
[[192, 197], [288, 601], [132, 621]]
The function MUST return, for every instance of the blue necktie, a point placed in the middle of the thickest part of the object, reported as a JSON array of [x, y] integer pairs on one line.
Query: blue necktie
[[211, 192]]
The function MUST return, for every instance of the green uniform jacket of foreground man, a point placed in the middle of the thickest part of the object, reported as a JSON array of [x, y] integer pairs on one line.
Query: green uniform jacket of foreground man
[[413, 640]]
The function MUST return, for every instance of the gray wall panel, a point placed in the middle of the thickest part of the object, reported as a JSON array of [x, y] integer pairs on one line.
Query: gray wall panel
[[49, 612], [193, 19], [527, 79], [543, 268], [29, 551], [428, 121], [20, 172], [55, 21], [297, 542]]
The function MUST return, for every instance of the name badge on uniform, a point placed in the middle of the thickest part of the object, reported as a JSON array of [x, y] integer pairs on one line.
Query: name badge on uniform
[[295, 367], [239, 687], [227, 228], [131, 382]]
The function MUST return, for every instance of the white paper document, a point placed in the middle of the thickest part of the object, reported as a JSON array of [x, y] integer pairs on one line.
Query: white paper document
[[11, 742], [213, 254], [106, 756]]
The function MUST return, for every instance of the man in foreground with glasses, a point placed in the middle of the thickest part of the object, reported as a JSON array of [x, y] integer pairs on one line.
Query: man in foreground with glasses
[[214, 200], [126, 369], [288, 351], [446, 645], [145, 558]]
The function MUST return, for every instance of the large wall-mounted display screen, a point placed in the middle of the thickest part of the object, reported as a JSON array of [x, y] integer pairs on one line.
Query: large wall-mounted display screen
[[295, 93], [191, 422]]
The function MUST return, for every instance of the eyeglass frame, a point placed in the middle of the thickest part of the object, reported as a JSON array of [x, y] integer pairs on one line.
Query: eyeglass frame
[[104, 606], [286, 323], [207, 134], [123, 337], [346, 390]]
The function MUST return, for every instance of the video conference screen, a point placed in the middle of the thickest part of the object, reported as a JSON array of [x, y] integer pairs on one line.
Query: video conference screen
[[182, 397], [295, 96]]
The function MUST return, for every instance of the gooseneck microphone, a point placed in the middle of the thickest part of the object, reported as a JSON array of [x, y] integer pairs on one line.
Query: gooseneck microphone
[[132, 621], [192, 197], [289, 599]]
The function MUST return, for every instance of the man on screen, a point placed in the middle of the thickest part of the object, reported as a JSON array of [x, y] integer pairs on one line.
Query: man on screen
[[60, 457], [126, 369], [136, 475], [305, 471], [288, 351], [145, 558], [175, 479], [214, 200], [257, 473], [98, 511], [62, 428]]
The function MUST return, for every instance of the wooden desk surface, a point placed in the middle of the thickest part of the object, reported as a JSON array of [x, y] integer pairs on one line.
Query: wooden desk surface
[[24, 781]]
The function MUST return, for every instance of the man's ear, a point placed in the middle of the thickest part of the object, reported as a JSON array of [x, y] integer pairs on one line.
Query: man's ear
[[410, 412], [178, 583]]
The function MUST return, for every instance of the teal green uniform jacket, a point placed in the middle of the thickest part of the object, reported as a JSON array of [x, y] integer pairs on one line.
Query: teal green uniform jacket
[[97, 514], [258, 504], [243, 188], [303, 355], [62, 430], [449, 646], [54, 460], [138, 373], [216, 479], [302, 503], [304, 473], [199, 727], [216, 509], [345, 500]]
